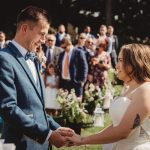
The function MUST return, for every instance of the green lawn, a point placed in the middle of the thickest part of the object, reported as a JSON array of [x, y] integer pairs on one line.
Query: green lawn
[[88, 131]]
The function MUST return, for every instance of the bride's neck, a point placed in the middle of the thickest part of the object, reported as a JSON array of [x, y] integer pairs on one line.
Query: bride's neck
[[132, 84], [129, 87]]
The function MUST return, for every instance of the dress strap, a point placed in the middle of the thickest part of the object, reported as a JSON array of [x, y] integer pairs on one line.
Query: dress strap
[[132, 91]]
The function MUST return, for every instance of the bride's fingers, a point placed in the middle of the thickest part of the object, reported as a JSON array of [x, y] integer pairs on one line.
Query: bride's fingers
[[69, 143]]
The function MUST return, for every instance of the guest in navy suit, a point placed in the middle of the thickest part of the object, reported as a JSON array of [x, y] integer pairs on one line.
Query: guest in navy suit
[[26, 123], [77, 68]]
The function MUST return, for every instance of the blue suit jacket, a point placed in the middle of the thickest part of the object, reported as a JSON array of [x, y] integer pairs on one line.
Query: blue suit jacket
[[22, 104], [78, 67]]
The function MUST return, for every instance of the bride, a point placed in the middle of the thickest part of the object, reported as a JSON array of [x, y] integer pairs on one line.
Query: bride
[[130, 113]]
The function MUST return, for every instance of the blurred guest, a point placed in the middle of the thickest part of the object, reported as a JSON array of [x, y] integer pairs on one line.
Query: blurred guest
[[89, 50], [81, 41], [87, 31], [102, 37], [101, 63], [73, 68], [42, 59], [61, 34], [51, 84], [114, 39], [2, 39], [51, 51]]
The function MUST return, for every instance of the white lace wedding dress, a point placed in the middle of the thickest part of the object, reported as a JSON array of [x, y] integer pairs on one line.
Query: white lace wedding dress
[[139, 139]]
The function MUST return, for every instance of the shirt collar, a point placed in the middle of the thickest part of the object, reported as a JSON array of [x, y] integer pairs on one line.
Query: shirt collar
[[21, 49], [52, 47], [70, 51]]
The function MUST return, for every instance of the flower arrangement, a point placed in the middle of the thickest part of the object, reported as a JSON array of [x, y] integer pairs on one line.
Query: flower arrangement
[[72, 109], [92, 96]]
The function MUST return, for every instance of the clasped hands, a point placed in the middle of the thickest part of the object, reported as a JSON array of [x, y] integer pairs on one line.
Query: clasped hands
[[64, 137]]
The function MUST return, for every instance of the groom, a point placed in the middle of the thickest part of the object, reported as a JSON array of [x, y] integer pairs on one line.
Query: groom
[[26, 123]]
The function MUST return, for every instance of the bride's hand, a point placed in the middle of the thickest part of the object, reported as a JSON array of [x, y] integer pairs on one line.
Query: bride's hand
[[74, 140]]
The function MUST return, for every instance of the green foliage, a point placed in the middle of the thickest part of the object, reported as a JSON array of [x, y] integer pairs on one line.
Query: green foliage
[[118, 89], [114, 85], [112, 74], [72, 109], [91, 97]]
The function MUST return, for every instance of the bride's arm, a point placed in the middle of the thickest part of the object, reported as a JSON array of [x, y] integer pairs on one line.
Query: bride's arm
[[107, 135]]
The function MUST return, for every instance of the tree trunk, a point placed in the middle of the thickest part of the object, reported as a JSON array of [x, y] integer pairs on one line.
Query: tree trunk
[[108, 12]]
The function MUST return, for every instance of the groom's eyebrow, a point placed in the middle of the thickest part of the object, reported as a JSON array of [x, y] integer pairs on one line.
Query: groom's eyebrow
[[137, 121]]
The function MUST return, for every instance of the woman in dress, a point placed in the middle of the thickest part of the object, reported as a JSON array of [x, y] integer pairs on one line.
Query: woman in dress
[[101, 63], [130, 113]]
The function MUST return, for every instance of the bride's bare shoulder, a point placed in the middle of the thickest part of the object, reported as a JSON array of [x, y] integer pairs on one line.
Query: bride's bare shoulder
[[143, 92], [145, 87]]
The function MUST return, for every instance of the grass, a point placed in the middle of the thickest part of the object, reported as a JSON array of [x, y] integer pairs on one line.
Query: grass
[[89, 131]]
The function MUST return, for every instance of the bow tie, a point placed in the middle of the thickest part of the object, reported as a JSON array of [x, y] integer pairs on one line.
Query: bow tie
[[30, 55]]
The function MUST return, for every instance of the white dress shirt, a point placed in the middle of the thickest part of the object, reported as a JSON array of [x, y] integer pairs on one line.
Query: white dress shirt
[[63, 63]]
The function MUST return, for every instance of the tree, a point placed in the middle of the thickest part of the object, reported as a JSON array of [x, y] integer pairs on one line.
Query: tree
[[130, 18]]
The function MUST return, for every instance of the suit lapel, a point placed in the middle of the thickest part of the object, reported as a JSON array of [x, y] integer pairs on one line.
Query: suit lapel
[[25, 67], [41, 83], [72, 58], [61, 60]]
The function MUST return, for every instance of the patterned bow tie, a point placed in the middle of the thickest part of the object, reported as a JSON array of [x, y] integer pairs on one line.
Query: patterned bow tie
[[30, 55]]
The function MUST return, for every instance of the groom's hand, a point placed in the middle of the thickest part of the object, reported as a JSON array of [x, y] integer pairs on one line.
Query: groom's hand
[[57, 139], [64, 131], [59, 136]]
